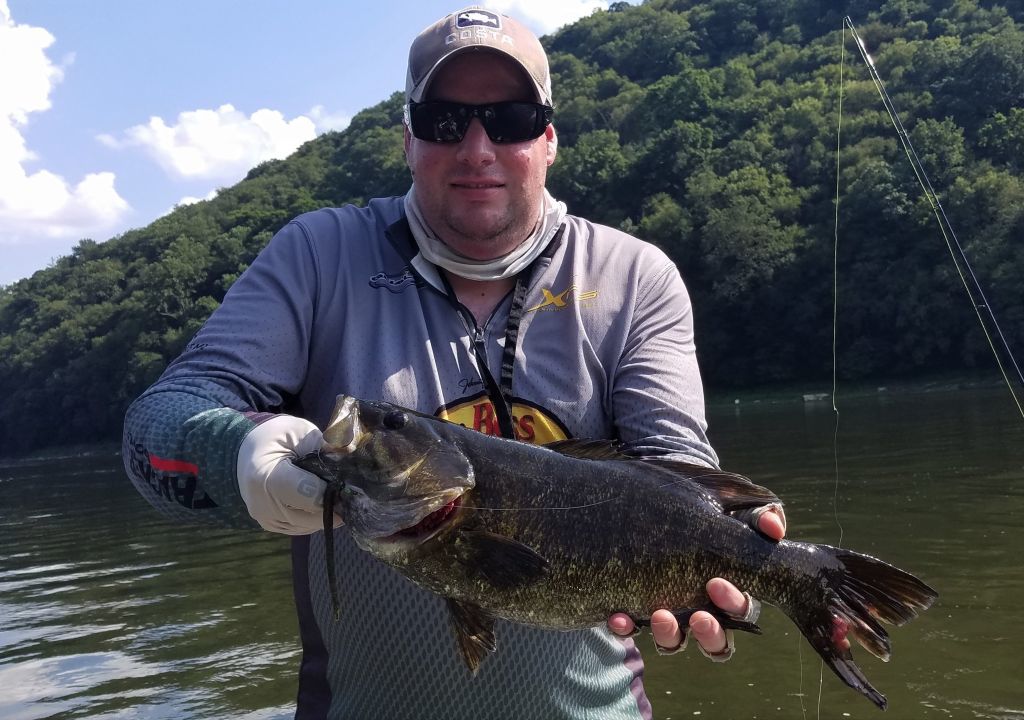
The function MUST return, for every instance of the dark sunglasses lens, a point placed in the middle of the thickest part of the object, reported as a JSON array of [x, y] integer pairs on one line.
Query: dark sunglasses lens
[[507, 122], [438, 122], [514, 122]]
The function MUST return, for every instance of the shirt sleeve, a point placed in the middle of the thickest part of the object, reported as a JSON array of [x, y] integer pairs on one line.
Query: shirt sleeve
[[658, 398], [181, 437]]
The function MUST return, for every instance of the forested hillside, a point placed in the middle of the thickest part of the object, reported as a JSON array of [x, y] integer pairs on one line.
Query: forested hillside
[[708, 128]]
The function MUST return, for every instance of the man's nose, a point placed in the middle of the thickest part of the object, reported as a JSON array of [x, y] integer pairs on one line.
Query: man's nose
[[476, 147]]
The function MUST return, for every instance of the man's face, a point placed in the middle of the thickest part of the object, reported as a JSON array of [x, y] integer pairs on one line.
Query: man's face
[[481, 198]]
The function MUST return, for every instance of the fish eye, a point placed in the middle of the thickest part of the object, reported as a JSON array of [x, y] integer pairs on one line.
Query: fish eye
[[396, 420]]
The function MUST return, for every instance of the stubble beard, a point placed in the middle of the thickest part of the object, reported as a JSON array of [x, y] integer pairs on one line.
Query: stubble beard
[[480, 239]]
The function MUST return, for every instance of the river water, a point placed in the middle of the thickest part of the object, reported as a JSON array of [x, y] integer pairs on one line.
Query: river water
[[108, 611]]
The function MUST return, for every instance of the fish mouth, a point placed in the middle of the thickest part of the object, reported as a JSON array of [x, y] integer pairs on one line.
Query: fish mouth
[[430, 525]]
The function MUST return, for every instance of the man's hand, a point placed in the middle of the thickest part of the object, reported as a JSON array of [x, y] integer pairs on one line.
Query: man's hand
[[771, 522], [279, 496], [705, 628]]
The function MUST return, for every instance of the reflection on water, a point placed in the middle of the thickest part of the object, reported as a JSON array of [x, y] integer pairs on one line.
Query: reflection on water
[[933, 483], [107, 611]]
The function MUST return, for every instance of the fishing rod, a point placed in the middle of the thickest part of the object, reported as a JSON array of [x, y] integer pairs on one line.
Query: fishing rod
[[970, 281], [963, 266]]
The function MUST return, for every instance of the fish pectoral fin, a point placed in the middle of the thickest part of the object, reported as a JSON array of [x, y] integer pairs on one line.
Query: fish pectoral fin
[[734, 492], [474, 632], [502, 561]]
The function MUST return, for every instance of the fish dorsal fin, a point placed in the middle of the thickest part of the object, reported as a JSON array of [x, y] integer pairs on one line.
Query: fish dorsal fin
[[734, 492], [590, 449], [502, 561], [474, 632]]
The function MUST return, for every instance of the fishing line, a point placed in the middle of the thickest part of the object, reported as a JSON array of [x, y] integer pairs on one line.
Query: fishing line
[[835, 342], [835, 297], [527, 509], [965, 271], [596, 502], [975, 293]]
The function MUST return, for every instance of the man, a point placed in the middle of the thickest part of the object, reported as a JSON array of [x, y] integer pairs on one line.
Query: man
[[475, 297]]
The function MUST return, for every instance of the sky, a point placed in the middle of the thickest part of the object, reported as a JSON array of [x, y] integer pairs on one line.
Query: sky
[[112, 112]]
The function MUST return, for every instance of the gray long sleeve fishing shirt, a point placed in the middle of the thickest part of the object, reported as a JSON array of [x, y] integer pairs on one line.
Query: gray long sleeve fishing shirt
[[337, 303]]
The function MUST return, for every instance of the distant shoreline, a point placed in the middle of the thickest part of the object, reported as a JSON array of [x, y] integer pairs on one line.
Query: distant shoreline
[[812, 392], [821, 391]]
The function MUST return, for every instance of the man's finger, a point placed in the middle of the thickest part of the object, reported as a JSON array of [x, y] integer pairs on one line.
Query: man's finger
[[708, 632], [772, 522], [666, 632], [727, 597], [621, 624]]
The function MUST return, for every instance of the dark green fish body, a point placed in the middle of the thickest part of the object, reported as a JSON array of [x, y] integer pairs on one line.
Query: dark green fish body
[[563, 536], [615, 536]]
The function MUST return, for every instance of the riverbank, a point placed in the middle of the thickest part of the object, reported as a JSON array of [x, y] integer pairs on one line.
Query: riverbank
[[808, 392], [821, 391]]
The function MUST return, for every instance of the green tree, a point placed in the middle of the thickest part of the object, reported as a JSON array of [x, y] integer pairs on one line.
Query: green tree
[[1001, 139], [705, 126], [587, 176]]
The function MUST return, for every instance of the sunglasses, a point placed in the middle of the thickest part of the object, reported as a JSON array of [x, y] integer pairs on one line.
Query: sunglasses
[[505, 122]]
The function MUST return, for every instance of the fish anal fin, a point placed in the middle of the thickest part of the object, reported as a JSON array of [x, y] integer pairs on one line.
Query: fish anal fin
[[474, 632], [502, 561]]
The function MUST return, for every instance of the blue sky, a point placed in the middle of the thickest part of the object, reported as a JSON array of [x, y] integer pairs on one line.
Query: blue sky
[[114, 111]]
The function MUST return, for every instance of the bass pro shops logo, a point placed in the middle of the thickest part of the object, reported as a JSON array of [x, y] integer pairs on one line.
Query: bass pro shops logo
[[531, 423]]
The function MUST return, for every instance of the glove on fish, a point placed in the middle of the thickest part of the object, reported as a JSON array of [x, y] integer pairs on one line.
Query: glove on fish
[[279, 496]]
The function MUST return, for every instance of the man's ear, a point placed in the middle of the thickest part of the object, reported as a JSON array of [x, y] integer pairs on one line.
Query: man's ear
[[552, 143]]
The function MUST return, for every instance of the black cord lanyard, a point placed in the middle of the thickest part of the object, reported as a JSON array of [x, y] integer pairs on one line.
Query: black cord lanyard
[[500, 393]]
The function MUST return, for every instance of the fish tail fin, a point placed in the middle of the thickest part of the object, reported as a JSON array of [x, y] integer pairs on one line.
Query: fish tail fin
[[862, 593]]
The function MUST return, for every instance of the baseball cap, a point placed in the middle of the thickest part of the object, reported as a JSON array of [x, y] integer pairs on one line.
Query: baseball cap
[[477, 28]]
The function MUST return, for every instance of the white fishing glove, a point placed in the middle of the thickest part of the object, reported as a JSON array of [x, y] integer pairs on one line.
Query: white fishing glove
[[281, 497]]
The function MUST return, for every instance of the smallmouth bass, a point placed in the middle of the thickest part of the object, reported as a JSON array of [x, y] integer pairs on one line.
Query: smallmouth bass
[[562, 536]]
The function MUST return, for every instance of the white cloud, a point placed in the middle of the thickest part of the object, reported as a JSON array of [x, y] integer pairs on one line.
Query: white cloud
[[545, 16], [191, 200], [326, 121], [220, 144], [34, 203]]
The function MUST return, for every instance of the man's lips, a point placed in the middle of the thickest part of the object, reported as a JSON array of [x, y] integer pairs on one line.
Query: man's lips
[[477, 185], [482, 191]]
